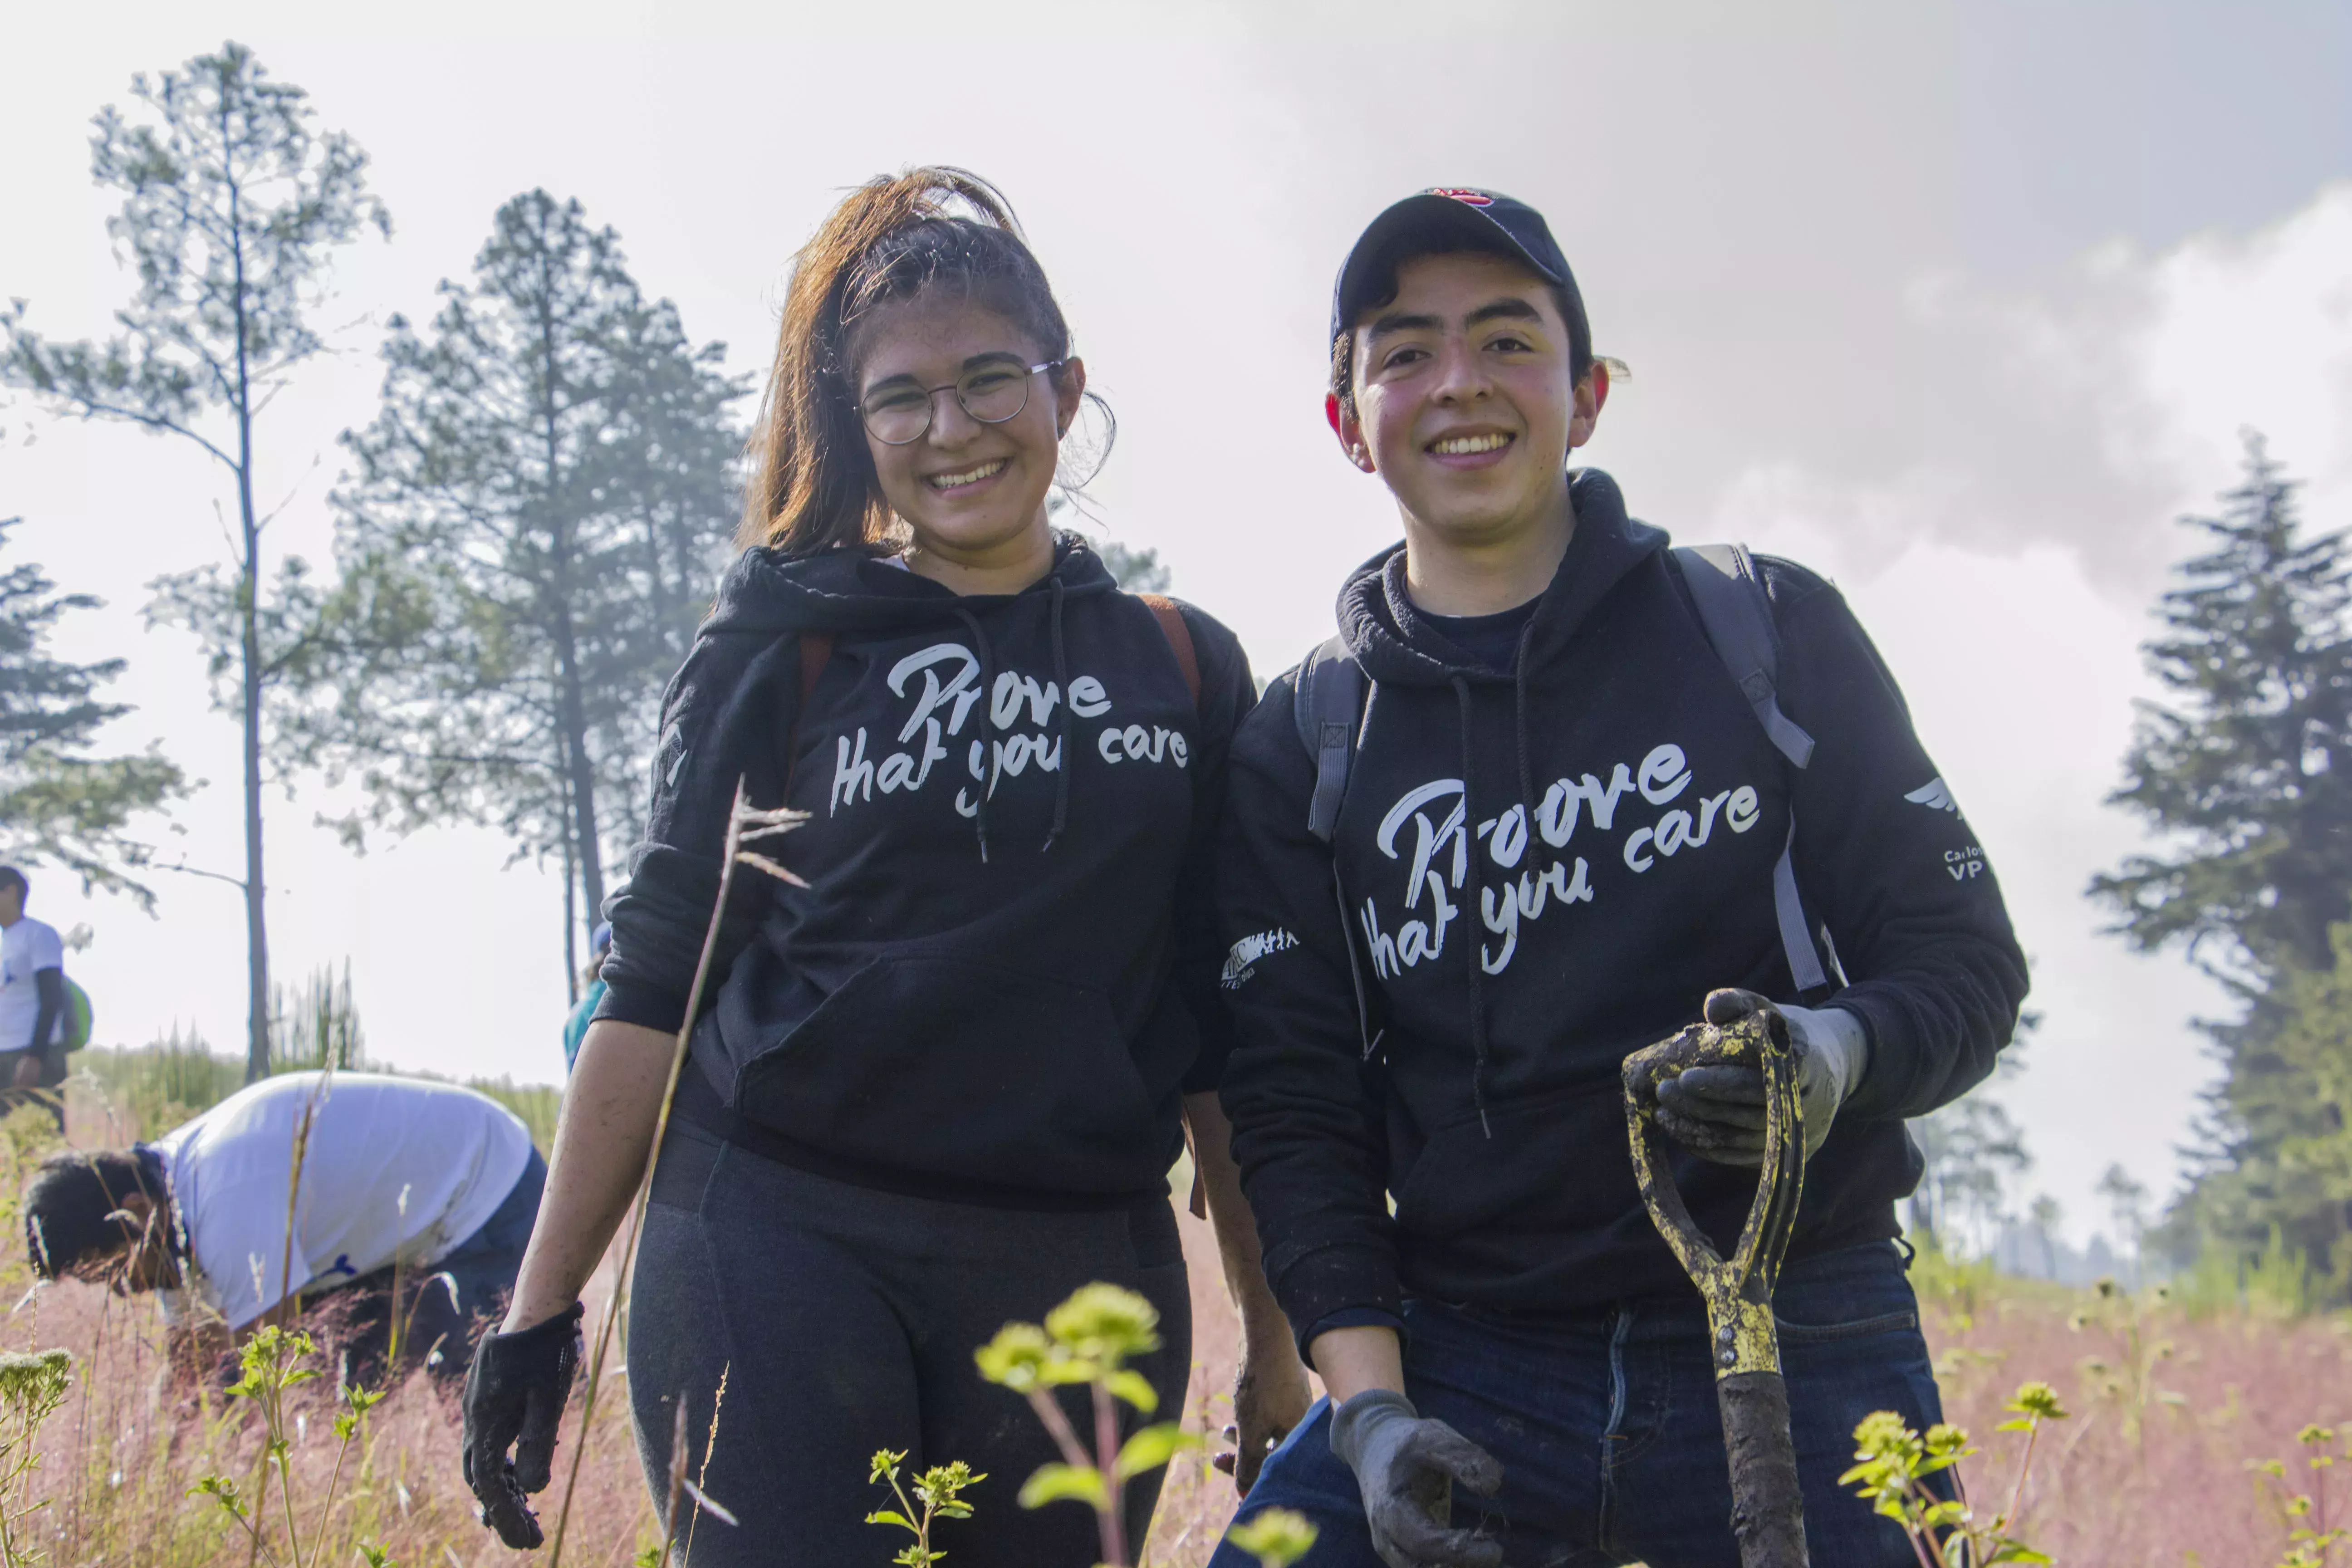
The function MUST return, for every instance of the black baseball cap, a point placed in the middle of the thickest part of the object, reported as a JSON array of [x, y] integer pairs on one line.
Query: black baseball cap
[[1456, 217]]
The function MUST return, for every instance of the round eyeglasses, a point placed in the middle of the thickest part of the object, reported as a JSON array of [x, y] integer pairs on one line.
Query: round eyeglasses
[[900, 415]]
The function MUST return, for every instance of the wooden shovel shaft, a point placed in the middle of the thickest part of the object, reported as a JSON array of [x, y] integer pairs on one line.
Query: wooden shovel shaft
[[1767, 1510], [1768, 1513]]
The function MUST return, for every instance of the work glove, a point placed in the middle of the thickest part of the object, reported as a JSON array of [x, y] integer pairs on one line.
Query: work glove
[[515, 1393], [1717, 1113], [1406, 1467]]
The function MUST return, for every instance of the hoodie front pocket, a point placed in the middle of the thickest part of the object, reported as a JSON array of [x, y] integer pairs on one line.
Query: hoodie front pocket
[[947, 1068]]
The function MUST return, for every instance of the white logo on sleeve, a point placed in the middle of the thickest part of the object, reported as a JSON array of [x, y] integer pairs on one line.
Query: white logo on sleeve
[[1249, 950], [1935, 795]]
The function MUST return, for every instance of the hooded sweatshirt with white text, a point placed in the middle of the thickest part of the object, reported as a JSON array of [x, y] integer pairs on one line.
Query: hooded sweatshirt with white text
[[981, 994], [1546, 869]]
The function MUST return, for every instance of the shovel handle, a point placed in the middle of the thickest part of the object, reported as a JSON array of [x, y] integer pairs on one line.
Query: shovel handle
[[1768, 1513]]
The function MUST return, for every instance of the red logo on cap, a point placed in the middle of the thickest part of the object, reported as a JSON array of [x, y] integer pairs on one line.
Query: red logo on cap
[[1462, 194]]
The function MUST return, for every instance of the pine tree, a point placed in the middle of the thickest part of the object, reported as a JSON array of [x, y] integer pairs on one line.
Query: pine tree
[[57, 802], [2245, 771], [2245, 776], [534, 526], [233, 202]]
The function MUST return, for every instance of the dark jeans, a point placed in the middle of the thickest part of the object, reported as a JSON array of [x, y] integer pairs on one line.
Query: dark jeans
[[1607, 1428], [47, 1091], [445, 1306], [844, 1320]]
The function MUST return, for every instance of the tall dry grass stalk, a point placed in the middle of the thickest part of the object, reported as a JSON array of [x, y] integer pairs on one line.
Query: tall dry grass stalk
[[745, 823]]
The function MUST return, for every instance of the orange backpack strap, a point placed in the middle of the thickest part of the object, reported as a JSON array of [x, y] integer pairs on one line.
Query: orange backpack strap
[[816, 652], [1180, 639]]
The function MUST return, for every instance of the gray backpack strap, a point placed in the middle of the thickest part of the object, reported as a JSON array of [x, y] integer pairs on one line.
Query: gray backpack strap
[[1326, 706], [1737, 618]]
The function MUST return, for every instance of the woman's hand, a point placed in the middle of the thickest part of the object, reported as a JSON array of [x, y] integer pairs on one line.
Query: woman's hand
[[1270, 1391], [1270, 1397]]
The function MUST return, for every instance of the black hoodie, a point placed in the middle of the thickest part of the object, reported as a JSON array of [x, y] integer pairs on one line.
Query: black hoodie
[[981, 994], [1624, 811]]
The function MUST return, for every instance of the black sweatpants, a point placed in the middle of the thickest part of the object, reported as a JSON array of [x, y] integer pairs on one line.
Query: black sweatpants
[[844, 1319]]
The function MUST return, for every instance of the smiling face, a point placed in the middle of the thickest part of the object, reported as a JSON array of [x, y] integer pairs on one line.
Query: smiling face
[[1463, 401], [972, 493]]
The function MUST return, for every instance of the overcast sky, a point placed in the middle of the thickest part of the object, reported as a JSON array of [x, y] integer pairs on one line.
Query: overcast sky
[[1962, 305]]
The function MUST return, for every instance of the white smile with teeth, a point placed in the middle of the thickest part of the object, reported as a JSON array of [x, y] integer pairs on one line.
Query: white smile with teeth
[[1465, 446], [969, 477]]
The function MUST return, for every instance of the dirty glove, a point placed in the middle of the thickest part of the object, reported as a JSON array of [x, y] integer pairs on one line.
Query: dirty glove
[[515, 1393], [1407, 1468], [1717, 1113]]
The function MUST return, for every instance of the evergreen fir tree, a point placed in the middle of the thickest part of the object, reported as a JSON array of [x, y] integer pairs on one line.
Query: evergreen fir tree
[[234, 201], [538, 518], [2245, 776], [57, 802]]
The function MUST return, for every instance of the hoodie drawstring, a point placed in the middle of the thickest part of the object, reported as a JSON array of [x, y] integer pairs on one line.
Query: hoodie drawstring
[[987, 724], [1519, 738], [1476, 945], [1062, 685]]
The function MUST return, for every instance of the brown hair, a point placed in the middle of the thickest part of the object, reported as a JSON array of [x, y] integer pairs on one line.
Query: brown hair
[[813, 486]]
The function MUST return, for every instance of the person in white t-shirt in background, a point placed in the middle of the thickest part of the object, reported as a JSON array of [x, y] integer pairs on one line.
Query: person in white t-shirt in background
[[32, 1001], [432, 1177]]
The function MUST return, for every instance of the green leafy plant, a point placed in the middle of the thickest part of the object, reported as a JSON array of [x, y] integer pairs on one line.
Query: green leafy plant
[[2128, 1381], [32, 1388], [2311, 1539], [1087, 1341], [1276, 1538], [1895, 1462], [273, 1363], [939, 1491]]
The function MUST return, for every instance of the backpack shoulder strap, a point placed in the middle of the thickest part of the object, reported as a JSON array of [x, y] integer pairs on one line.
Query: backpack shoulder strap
[[816, 652], [1328, 707], [1738, 616], [1180, 640]]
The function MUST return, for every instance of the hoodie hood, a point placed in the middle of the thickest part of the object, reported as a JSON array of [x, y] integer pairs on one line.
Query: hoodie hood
[[1395, 643], [862, 593], [767, 593]]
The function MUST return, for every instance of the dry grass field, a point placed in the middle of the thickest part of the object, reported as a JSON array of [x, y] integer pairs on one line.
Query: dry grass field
[[2172, 1413]]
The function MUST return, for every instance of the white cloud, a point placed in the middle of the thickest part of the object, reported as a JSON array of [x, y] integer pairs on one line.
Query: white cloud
[[2020, 655]]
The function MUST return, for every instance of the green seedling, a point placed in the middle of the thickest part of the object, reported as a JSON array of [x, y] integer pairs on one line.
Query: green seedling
[[32, 1388], [2311, 1538], [938, 1492], [1087, 1341], [1276, 1538], [1895, 1462], [273, 1363]]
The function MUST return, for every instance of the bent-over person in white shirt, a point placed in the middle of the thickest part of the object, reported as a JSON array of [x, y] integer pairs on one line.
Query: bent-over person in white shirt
[[429, 1179]]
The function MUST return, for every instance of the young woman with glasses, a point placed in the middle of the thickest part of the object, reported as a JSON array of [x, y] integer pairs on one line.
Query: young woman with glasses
[[939, 1087]]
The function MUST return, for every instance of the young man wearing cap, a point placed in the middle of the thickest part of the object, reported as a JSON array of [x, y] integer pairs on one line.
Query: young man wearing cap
[[1549, 830], [32, 1001]]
